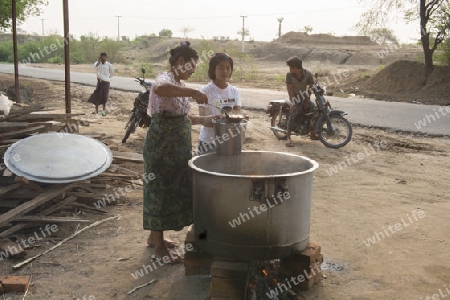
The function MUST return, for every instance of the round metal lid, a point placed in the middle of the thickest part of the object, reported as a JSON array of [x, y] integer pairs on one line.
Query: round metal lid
[[58, 157]]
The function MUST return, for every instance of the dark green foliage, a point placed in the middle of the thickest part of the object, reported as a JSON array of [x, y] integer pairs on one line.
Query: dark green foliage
[[24, 8]]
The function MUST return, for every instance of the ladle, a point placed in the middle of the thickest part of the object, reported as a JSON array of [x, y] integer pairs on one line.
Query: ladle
[[231, 119]]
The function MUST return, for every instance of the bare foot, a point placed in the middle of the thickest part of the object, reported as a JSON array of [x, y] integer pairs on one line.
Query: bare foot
[[169, 244]]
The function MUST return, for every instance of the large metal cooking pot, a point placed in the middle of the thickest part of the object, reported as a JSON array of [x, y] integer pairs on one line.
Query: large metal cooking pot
[[228, 188]]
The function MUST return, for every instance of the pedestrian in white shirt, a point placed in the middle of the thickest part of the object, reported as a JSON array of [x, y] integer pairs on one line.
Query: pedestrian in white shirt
[[104, 73]]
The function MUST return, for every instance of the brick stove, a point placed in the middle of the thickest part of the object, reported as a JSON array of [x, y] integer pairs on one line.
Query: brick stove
[[255, 280]]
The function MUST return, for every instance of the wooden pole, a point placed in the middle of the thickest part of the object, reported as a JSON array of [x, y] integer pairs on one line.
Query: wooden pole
[[16, 57], [67, 56]]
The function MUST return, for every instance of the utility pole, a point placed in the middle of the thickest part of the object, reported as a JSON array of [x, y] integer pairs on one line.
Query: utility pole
[[118, 27], [43, 35], [16, 56], [243, 33], [279, 26]]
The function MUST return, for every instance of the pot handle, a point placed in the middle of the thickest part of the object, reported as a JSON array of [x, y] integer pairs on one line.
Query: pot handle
[[262, 189]]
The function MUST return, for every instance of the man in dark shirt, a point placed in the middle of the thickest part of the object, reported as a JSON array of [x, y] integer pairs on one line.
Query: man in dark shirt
[[298, 84]]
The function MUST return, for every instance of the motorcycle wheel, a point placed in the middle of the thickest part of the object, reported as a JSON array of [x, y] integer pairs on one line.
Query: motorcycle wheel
[[131, 127], [279, 120], [340, 134]]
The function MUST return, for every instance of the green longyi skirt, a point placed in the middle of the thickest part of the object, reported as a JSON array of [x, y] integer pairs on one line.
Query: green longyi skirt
[[168, 197]]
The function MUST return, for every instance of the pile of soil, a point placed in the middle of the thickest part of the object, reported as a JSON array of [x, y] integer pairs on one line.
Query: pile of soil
[[293, 37], [336, 50], [404, 81]]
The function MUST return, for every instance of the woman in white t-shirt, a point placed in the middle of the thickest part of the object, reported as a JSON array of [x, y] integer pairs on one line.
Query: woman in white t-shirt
[[220, 94]]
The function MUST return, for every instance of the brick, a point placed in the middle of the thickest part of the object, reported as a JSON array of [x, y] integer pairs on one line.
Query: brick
[[304, 260], [192, 271], [227, 283], [318, 277], [314, 246], [228, 269], [205, 270], [197, 254], [308, 283], [198, 262], [218, 292], [295, 266], [15, 283], [320, 259]]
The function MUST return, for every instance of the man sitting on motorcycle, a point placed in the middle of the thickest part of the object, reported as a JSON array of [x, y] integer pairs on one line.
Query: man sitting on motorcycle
[[298, 84]]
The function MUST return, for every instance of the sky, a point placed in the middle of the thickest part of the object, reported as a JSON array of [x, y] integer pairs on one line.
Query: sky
[[207, 19]]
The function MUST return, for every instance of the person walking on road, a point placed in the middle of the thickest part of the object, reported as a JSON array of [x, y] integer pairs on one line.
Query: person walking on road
[[104, 73]]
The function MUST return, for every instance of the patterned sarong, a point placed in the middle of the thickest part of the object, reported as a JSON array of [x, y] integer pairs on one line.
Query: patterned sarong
[[168, 197], [101, 93]]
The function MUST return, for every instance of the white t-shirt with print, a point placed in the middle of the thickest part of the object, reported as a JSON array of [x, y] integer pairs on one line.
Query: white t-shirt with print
[[218, 97]]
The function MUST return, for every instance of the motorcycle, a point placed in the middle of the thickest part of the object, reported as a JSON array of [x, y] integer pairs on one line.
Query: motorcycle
[[329, 125], [139, 116]]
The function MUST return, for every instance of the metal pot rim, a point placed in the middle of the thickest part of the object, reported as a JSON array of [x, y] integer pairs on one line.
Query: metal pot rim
[[314, 167]]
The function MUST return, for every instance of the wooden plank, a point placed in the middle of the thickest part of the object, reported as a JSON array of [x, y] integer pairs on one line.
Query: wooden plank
[[128, 156], [48, 117], [57, 206], [94, 187], [50, 219], [18, 111], [24, 182], [13, 229], [7, 126], [5, 180], [115, 176], [45, 212], [123, 170], [23, 194], [22, 209], [3, 149], [93, 196], [90, 207], [8, 141], [5, 190], [10, 203], [22, 132]]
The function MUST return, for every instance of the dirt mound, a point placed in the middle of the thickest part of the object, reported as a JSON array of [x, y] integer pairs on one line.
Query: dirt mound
[[337, 50], [298, 37], [404, 81]]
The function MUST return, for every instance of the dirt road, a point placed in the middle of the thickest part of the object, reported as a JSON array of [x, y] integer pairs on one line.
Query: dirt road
[[385, 187]]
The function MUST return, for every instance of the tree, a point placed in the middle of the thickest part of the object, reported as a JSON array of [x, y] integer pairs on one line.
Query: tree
[[382, 36], [186, 30], [433, 16], [307, 29], [24, 9], [244, 34], [165, 32]]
